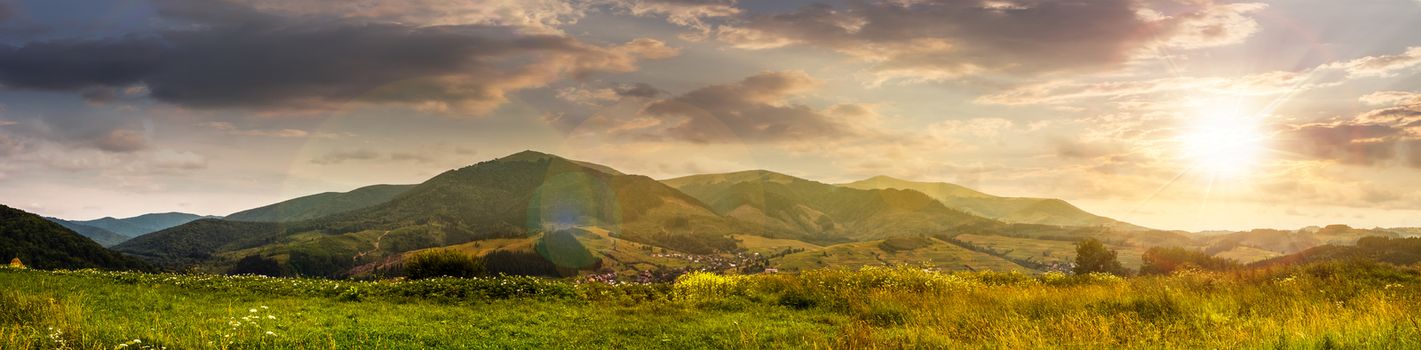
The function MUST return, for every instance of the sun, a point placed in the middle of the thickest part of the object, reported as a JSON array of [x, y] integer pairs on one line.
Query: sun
[[1223, 143]]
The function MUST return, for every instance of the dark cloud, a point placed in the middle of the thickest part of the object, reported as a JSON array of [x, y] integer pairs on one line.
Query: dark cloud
[[753, 109], [1380, 137], [689, 13], [1348, 143], [342, 156], [758, 108], [122, 140], [9, 145], [74, 65], [337, 157], [948, 38], [412, 157], [229, 56], [7, 10], [642, 90]]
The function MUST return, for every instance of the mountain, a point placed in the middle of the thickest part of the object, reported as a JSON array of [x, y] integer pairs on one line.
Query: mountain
[[1399, 251], [1020, 210], [142, 224], [511, 197], [43, 244], [197, 241], [1266, 243], [786, 206], [322, 204], [1406, 231], [101, 236]]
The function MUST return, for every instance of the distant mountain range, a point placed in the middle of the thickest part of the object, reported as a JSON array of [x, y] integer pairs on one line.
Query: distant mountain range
[[785, 206], [42, 244], [512, 197], [101, 236], [536, 213], [109, 231], [1022, 210]]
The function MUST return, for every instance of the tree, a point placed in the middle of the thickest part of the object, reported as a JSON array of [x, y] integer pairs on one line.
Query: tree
[[442, 263], [257, 265], [1093, 256], [1162, 261]]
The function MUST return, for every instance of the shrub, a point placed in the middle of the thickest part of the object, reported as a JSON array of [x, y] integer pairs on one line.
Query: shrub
[[519, 263], [256, 265], [1093, 256], [702, 287], [1162, 261], [442, 263]]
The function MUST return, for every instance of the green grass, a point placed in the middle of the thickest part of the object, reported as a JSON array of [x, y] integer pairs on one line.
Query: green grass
[[1357, 305]]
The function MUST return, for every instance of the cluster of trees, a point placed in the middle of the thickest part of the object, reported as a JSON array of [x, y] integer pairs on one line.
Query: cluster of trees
[[1165, 260], [1094, 256], [442, 263]]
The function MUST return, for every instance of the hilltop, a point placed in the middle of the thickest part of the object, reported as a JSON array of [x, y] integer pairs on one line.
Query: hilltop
[[42, 244], [140, 225], [321, 204], [1020, 210], [517, 196], [788, 206]]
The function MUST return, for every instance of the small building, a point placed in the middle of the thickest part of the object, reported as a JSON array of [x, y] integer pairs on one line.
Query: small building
[[16, 264]]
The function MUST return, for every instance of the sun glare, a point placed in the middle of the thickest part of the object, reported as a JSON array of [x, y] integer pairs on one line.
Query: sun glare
[[1223, 143]]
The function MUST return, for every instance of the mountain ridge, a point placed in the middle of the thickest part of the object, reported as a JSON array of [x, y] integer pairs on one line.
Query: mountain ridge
[[44, 244], [1024, 210]]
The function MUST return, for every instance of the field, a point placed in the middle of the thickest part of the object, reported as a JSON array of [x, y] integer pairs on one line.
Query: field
[[1044, 251], [1333, 305]]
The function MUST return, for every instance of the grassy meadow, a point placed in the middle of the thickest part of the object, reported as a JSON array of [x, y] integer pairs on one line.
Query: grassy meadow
[[1328, 305]]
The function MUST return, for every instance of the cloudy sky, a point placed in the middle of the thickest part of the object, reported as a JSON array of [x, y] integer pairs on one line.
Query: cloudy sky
[[1179, 114]]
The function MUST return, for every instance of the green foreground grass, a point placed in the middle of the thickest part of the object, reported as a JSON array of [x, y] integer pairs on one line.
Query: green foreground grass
[[1336, 305]]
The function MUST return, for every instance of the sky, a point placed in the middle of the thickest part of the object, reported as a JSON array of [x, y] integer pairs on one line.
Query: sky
[[1172, 114]]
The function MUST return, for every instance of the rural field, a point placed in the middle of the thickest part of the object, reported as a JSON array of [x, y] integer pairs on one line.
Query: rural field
[[1315, 306]]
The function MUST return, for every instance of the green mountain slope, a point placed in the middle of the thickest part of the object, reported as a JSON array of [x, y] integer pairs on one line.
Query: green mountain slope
[[142, 224], [321, 204], [511, 197], [98, 235], [197, 241], [1399, 251], [1044, 211], [42, 244], [784, 206]]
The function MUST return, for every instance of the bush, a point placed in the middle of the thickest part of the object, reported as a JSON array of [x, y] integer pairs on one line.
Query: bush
[[442, 263], [1162, 261], [703, 287], [1093, 256], [257, 265]]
